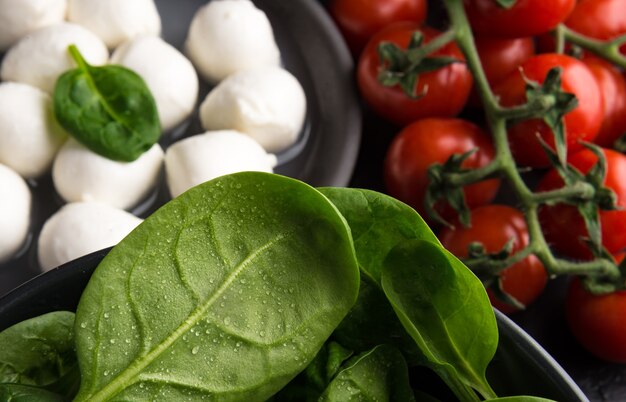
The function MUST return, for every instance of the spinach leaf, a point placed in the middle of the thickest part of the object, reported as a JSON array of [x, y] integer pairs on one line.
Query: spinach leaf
[[378, 222], [108, 109], [445, 308], [40, 352], [226, 292], [521, 398], [380, 374], [25, 393], [311, 383]]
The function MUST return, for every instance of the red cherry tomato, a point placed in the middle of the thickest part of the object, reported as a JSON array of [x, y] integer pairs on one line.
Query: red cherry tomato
[[434, 140], [500, 56], [359, 20], [600, 19], [581, 124], [525, 18], [613, 89], [562, 224], [494, 226], [445, 90], [597, 321]]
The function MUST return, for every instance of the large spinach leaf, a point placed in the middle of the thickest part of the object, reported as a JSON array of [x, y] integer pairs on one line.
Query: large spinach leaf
[[40, 352], [445, 308], [108, 109], [226, 292], [25, 393], [378, 375]]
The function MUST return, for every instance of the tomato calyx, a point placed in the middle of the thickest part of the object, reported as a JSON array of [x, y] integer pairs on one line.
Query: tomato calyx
[[506, 3], [620, 144], [403, 67], [549, 102]]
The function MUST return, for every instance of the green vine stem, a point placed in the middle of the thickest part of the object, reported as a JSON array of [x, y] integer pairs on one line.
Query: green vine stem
[[505, 166], [608, 50]]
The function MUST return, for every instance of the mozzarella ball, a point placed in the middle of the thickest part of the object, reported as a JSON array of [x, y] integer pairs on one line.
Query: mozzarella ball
[[116, 21], [227, 36], [82, 175], [169, 75], [267, 104], [203, 157], [15, 204], [18, 18], [40, 58], [81, 228], [29, 134]]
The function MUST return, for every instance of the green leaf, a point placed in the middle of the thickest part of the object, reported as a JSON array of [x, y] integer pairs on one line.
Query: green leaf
[[227, 292], [311, 383], [25, 393], [40, 352], [380, 375], [108, 109], [445, 308], [378, 222]]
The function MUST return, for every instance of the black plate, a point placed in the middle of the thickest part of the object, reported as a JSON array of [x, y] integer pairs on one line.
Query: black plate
[[520, 367], [313, 50]]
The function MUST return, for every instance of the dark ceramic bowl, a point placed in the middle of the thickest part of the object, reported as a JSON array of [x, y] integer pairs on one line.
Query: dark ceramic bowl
[[313, 50], [521, 366]]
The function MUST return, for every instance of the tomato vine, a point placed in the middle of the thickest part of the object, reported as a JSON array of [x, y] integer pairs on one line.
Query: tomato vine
[[601, 274]]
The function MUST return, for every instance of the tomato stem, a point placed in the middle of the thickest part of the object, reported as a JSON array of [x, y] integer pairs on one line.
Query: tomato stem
[[607, 49], [607, 274]]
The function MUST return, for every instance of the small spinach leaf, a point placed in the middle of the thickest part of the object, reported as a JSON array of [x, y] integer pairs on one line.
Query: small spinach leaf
[[445, 308], [309, 385], [227, 292], [378, 222], [108, 109], [40, 352], [25, 393], [380, 374]]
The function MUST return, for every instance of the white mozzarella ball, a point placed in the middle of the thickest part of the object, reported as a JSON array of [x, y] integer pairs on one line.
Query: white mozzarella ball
[[267, 104], [29, 134], [116, 21], [203, 157], [15, 203], [82, 175], [18, 18], [81, 228], [169, 75], [227, 36], [41, 57]]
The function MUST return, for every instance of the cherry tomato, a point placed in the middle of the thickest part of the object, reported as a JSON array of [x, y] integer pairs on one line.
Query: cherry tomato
[[525, 18], [563, 226], [597, 321], [500, 56], [445, 91], [600, 19], [434, 140], [494, 226], [581, 124], [359, 20], [613, 89]]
